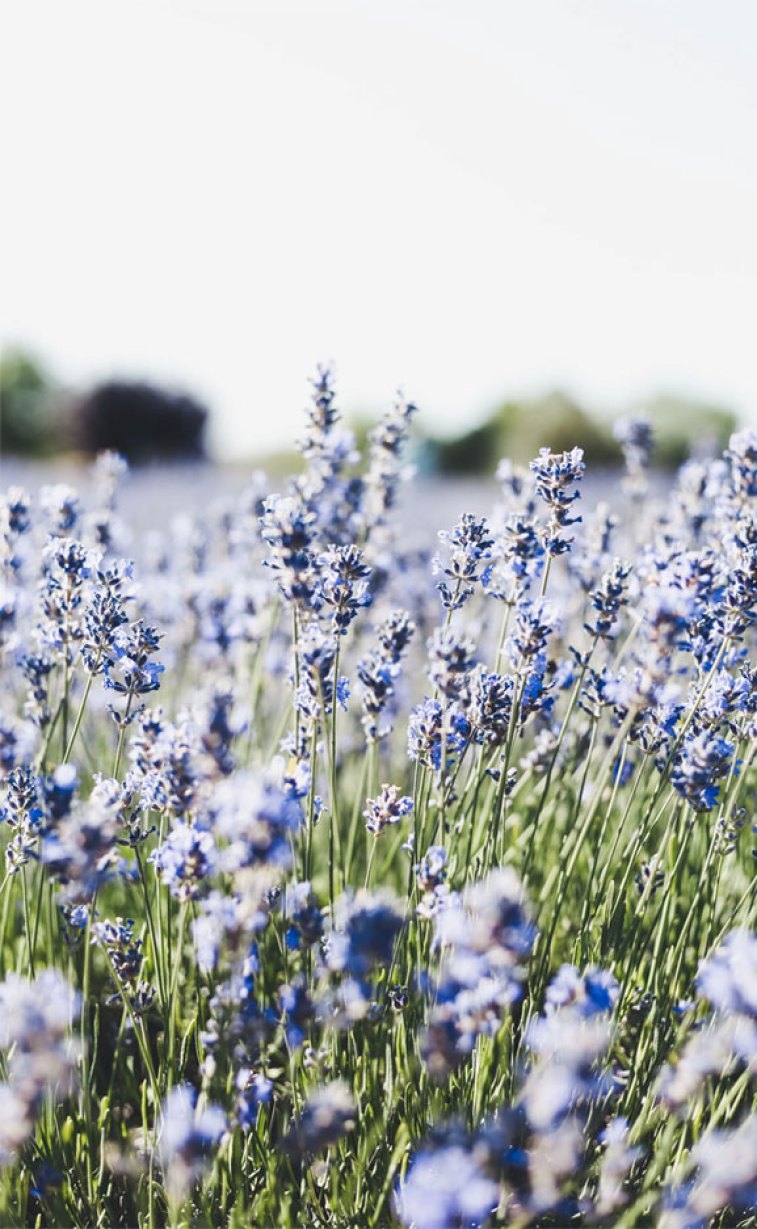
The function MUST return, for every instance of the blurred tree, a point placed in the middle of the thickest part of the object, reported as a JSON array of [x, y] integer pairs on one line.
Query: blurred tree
[[27, 393], [142, 422], [518, 429], [683, 427]]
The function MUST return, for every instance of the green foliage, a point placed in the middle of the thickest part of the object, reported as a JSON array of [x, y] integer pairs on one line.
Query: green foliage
[[517, 429], [26, 400], [683, 428]]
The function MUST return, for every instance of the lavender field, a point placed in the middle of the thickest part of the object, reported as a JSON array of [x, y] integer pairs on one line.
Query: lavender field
[[360, 874]]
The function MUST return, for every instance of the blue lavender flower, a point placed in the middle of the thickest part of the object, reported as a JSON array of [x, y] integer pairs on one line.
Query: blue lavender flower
[[185, 861], [741, 456], [365, 928], [590, 994], [128, 668], [484, 936], [378, 669], [517, 559], [636, 439], [189, 1132], [534, 623], [451, 656], [445, 1188], [607, 600], [701, 761], [254, 1090], [470, 546], [436, 736], [298, 1011], [553, 475], [383, 473], [305, 916], [724, 1179], [328, 1114], [61, 505], [389, 808], [288, 527], [124, 950], [342, 584], [728, 978], [488, 701]]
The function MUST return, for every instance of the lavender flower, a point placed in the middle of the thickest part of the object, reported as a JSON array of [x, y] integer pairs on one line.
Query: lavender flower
[[554, 474], [700, 763], [329, 1113], [342, 584], [189, 1131], [387, 809], [445, 1188], [469, 546], [185, 861], [435, 736]]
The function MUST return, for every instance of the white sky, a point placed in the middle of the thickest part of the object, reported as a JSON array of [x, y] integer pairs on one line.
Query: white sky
[[467, 198]]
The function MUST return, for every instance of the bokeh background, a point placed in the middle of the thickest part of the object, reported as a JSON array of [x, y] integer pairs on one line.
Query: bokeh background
[[531, 217]]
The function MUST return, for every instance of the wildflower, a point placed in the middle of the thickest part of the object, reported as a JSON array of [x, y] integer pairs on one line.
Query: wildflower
[[128, 669], [255, 815], [534, 623], [588, 995], [486, 933], [488, 700], [254, 1090], [61, 505], [431, 874], [80, 850], [724, 1179], [636, 439], [741, 456], [298, 1011], [517, 560], [365, 928], [301, 910], [383, 472]]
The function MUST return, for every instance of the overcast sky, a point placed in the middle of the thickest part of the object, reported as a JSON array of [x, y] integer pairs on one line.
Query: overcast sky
[[467, 198]]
